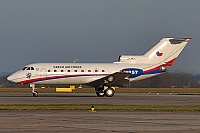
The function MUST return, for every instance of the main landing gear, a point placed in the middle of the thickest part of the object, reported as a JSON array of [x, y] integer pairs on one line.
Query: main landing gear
[[35, 93], [105, 91]]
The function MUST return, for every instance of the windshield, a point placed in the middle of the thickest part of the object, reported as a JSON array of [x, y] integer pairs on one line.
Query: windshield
[[24, 68], [28, 68]]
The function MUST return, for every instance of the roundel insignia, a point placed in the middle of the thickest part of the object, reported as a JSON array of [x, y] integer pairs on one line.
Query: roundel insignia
[[159, 53]]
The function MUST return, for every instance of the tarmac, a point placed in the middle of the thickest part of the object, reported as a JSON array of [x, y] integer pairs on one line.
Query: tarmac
[[52, 121], [91, 98]]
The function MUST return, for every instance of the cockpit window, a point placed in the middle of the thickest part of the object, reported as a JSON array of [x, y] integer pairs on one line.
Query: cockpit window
[[28, 68], [24, 68]]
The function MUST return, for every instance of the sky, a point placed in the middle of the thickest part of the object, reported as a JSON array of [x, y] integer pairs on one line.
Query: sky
[[94, 30]]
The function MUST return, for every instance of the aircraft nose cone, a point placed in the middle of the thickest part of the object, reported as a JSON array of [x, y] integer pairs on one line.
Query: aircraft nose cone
[[10, 78]]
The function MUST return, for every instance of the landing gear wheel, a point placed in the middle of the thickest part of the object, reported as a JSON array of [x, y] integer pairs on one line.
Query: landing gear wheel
[[109, 92], [35, 94], [100, 91], [100, 94]]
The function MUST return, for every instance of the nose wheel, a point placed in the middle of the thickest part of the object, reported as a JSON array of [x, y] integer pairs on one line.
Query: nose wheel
[[35, 93]]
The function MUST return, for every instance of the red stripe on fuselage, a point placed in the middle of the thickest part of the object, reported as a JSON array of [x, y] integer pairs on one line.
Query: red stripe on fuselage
[[169, 63], [156, 68], [57, 77]]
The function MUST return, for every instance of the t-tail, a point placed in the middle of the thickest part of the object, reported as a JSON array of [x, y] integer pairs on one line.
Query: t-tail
[[163, 53]]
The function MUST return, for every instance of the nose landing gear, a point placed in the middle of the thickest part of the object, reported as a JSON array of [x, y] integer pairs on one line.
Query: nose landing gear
[[35, 93]]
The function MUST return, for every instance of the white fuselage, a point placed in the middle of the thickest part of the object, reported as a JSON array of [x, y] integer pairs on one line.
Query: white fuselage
[[73, 73]]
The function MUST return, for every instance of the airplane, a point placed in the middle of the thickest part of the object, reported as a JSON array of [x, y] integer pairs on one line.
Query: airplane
[[104, 77]]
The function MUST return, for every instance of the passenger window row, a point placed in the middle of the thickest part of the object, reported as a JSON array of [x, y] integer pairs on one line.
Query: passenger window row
[[76, 71]]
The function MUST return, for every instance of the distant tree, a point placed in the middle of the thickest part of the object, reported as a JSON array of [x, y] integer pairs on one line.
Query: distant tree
[[165, 80], [182, 79]]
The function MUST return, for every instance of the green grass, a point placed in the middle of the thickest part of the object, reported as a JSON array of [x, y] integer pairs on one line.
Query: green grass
[[99, 107]]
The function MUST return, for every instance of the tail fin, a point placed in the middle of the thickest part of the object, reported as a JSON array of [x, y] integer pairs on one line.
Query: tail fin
[[164, 52]]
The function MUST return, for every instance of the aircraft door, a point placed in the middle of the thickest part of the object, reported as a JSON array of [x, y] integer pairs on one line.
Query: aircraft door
[[43, 72]]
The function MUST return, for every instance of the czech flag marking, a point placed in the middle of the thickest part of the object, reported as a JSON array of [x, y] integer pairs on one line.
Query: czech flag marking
[[159, 53]]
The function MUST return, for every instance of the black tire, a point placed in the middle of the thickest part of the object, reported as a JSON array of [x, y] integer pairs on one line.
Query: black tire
[[110, 92], [35, 94], [100, 94]]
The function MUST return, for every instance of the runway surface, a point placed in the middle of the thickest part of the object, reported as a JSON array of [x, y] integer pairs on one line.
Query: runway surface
[[91, 98], [101, 121], [98, 122]]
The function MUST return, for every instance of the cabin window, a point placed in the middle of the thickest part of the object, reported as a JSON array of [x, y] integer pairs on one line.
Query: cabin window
[[75, 70], [103, 70], [82, 70], [32, 68], [89, 70], [96, 70], [49, 70], [68, 70], [62, 71], [55, 70], [28, 68]]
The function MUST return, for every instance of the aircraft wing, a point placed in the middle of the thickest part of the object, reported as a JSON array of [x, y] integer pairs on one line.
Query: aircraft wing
[[116, 79]]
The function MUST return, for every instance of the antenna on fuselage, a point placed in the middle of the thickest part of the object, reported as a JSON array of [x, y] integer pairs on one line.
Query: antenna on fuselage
[[75, 60]]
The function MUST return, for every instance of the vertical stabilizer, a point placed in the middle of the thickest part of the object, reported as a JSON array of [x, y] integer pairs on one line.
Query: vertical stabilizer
[[163, 53], [166, 51]]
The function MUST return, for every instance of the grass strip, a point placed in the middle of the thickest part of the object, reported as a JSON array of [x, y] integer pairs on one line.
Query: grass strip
[[100, 107]]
